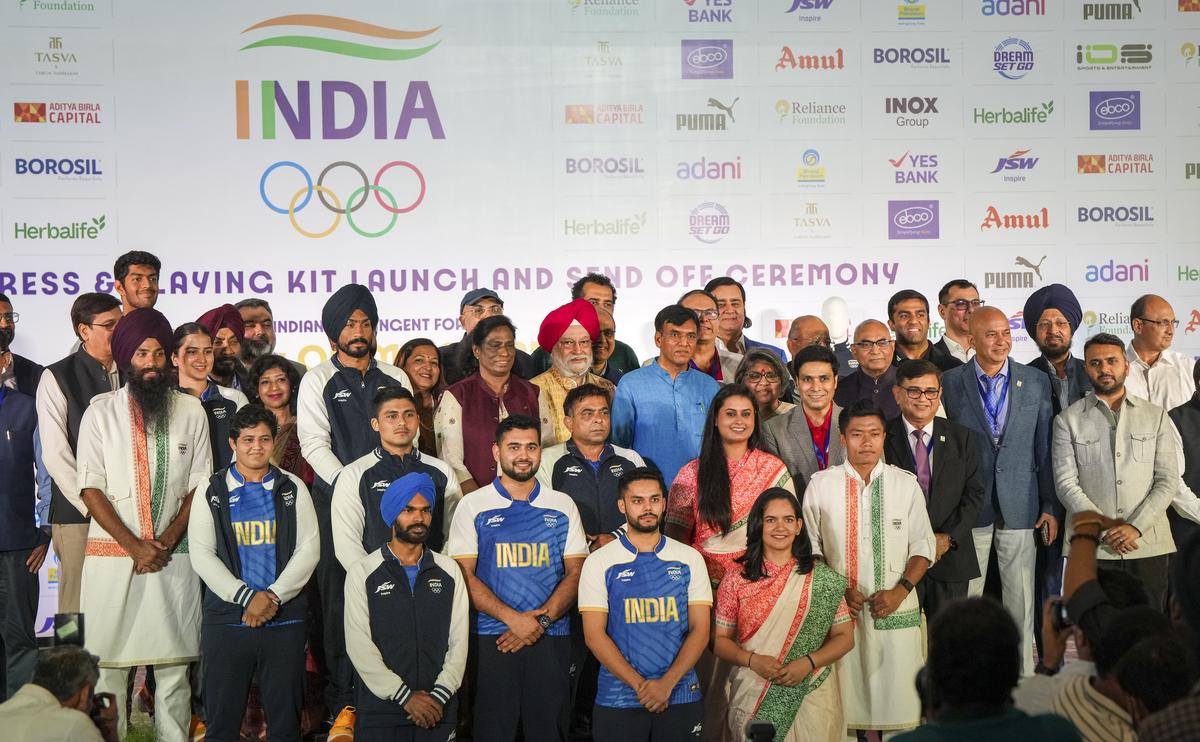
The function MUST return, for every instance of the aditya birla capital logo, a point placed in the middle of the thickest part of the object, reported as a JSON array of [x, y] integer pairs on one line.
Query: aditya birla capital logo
[[342, 108]]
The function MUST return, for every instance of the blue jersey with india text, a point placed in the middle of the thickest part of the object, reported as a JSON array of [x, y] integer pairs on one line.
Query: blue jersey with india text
[[519, 547], [646, 596]]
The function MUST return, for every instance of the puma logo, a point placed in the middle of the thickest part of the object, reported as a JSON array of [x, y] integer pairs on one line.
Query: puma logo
[[714, 103], [1035, 268]]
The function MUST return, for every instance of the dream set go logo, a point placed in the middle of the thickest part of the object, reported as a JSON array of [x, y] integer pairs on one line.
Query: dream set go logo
[[358, 198]]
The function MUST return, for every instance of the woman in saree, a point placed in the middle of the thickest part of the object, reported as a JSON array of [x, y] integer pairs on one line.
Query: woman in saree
[[274, 383], [711, 497], [782, 622], [708, 508]]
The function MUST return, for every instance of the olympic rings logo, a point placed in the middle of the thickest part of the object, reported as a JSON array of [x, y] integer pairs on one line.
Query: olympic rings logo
[[325, 195]]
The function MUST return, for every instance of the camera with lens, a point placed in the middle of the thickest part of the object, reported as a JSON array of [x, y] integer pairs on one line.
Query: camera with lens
[[760, 731]]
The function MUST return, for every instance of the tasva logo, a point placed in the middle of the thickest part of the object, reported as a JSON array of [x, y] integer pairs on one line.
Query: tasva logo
[[913, 105], [61, 167], [1115, 214], [620, 166], [705, 169], [1013, 7], [337, 101]]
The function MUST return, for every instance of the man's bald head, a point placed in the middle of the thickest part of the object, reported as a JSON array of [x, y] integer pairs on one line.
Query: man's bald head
[[874, 359], [1153, 321], [985, 315], [991, 335], [807, 330], [871, 327]]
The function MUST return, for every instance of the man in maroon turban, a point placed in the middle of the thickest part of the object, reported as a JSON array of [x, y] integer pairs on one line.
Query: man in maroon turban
[[567, 335], [226, 328], [142, 451]]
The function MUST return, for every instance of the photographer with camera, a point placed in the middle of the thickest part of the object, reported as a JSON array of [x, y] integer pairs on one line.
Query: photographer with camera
[[59, 704]]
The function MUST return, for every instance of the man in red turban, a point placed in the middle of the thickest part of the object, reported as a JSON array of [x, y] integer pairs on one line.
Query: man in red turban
[[225, 327], [567, 335]]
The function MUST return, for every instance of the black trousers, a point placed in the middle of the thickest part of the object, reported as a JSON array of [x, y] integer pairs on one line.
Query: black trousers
[[936, 594], [530, 688], [235, 655], [1152, 571], [18, 612], [331, 584], [680, 722]]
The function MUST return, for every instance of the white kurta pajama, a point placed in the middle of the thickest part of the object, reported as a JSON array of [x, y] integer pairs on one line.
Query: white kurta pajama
[[143, 619], [868, 532]]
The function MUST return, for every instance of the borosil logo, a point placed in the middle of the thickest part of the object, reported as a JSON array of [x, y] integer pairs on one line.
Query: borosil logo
[[913, 220]]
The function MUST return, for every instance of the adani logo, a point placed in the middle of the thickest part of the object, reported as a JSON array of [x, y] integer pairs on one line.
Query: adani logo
[[339, 100]]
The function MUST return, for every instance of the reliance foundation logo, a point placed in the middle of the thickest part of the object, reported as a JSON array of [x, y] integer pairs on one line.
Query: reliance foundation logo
[[605, 7], [810, 113], [913, 220], [60, 6], [706, 59], [80, 230]]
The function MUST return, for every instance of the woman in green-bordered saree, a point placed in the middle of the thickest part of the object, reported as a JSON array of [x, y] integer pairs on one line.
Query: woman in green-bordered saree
[[782, 622]]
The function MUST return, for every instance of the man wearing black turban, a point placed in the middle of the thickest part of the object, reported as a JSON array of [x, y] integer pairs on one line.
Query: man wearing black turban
[[1052, 315], [334, 426]]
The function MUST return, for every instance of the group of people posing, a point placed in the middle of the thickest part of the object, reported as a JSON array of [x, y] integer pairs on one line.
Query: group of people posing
[[476, 542]]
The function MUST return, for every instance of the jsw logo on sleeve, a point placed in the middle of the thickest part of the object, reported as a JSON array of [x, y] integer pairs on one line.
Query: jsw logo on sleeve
[[341, 396], [385, 588], [625, 575], [495, 520], [573, 470], [381, 485]]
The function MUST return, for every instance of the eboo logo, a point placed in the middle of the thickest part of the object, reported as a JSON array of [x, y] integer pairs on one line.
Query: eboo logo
[[1114, 110], [913, 220], [707, 59]]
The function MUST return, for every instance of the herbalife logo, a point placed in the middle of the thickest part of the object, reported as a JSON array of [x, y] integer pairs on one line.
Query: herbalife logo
[[80, 230], [1027, 115], [618, 227]]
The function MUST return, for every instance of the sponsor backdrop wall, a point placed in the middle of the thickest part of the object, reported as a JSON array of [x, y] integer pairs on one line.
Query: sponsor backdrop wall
[[824, 152]]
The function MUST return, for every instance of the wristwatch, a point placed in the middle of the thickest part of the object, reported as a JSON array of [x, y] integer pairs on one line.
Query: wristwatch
[[544, 620], [904, 583]]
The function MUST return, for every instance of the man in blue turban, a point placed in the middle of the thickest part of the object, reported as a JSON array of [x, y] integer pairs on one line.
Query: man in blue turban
[[407, 614], [1052, 316]]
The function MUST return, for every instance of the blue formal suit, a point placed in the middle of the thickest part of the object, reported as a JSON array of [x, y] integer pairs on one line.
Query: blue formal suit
[[1017, 476]]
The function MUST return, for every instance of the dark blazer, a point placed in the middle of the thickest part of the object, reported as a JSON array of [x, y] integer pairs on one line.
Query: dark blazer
[[27, 374], [955, 493], [1080, 384], [1017, 477]]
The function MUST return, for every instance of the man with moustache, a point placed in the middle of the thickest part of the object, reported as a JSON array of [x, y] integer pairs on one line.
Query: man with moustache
[[254, 542], [458, 362], [361, 484], [1052, 315], [803, 437], [521, 549], [407, 620], [16, 371], [333, 423], [908, 317], [599, 291], [143, 450], [956, 301], [648, 689], [258, 337], [708, 356], [868, 521], [568, 333], [806, 330], [225, 327], [731, 303], [942, 455], [1007, 405], [135, 278], [604, 348], [875, 376], [67, 388], [1115, 454]]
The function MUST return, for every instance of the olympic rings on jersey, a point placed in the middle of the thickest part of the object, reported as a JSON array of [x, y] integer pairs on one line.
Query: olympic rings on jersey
[[301, 198]]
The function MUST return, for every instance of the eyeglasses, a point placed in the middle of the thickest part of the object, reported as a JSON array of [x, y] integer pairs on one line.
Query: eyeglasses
[[706, 313], [915, 392], [770, 377], [109, 325], [961, 305], [10, 317], [1162, 323], [492, 310], [1058, 324], [566, 344], [866, 345]]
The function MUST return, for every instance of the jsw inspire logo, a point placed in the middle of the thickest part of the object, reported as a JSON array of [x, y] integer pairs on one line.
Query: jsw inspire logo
[[337, 98]]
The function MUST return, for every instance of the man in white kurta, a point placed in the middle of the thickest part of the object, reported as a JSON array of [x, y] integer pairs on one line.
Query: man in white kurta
[[869, 531], [137, 472]]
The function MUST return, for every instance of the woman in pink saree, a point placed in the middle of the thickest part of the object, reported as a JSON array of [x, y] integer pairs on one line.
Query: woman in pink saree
[[782, 622]]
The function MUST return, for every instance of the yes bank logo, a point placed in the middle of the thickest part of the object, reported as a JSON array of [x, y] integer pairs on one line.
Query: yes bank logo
[[709, 11], [914, 167]]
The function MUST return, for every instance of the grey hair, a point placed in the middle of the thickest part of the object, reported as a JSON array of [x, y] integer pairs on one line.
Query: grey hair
[[65, 669]]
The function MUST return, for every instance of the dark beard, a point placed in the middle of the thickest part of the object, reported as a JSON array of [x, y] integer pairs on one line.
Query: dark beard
[[151, 395], [359, 351], [6, 337], [513, 474], [403, 534], [224, 366], [636, 525]]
